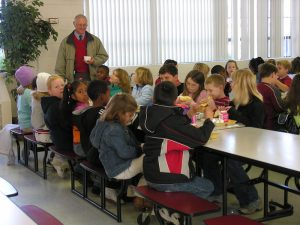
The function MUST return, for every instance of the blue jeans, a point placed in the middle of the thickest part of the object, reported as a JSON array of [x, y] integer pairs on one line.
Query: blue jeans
[[198, 186], [244, 192]]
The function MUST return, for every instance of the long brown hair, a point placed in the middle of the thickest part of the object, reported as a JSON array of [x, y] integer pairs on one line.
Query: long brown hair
[[198, 77], [123, 77], [230, 61], [293, 98], [119, 103]]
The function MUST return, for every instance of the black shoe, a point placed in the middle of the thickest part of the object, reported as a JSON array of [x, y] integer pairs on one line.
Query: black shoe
[[96, 190]]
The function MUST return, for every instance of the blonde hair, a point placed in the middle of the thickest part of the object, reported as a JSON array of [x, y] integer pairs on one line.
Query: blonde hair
[[286, 64], [51, 79], [144, 76], [118, 104], [244, 82], [202, 67], [216, 80], [123, 77]]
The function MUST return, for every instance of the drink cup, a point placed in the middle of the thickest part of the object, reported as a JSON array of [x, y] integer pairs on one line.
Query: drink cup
[[87, 58]]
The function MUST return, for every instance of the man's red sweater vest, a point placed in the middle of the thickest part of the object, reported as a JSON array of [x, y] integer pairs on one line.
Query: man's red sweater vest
[[80, 46]]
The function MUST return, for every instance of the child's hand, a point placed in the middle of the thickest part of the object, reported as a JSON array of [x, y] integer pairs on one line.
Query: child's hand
[[193, 110], [209, 113], [211, 103], [224, 108], [20, 90]]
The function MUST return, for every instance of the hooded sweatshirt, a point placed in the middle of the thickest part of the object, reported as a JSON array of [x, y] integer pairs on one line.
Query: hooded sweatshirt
[[169, 137], [116, 145], [60, 131]]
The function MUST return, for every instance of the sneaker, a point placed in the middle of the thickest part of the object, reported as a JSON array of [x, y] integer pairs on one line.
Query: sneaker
[[164, 213], [174, 218], [252, 207], [61, 170]]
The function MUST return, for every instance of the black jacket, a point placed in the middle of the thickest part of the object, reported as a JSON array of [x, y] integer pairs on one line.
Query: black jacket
[[60, 129], [251, 115], [169, 137], [85, 122]]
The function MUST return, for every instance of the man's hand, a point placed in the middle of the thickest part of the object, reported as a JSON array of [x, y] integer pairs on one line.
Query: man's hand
[[91, 61]]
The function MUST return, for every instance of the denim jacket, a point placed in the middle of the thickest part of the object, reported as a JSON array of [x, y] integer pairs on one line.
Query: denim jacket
[[116, 146], [143, 94]]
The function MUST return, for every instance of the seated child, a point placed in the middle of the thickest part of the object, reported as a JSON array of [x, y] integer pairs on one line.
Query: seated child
[[169, 137], [103, 73], [283, 67], [272, 103], [246, 108], [60, 128], [218, 69], [214, 86], [119, 152], [193, 87], [292, 100], [119, 82], [98, 92], [76, 101], [25, 76], [37, 115], [143, 90]]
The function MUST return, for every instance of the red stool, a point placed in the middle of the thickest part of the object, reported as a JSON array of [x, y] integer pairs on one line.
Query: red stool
[[186, 204], [40, 216], [231, 220]]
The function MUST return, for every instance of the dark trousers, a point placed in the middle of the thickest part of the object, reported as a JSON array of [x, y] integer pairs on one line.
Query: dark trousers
[[82, 76], [245, 192]]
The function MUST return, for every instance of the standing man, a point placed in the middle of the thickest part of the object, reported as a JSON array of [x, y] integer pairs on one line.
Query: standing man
[[70, 62]]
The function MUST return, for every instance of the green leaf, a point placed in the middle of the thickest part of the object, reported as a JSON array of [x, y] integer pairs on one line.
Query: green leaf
[[23, 32]]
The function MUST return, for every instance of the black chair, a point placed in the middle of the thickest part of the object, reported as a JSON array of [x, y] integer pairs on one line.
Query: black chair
[[89, 168]]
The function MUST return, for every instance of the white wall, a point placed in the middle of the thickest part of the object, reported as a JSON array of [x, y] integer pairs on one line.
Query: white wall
[[64, 10]]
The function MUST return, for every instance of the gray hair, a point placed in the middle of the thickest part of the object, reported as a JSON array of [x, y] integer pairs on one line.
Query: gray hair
[[79, 16]]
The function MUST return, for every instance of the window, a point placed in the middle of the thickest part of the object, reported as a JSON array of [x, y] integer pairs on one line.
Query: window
[[287, 45], [143, 32]]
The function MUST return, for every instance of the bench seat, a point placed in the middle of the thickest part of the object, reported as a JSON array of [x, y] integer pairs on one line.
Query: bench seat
[[186, 204], [40, 216]]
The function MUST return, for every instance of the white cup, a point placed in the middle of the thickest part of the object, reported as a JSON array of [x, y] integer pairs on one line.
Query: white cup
[[87, 58]]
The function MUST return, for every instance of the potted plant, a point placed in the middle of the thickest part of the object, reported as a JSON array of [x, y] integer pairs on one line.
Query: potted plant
[[22, 32]]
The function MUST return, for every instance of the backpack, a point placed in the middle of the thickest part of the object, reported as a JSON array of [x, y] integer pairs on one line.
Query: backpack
[[286, 123]]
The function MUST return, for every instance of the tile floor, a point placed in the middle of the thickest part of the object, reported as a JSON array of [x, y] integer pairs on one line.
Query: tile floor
[[54, 196]]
